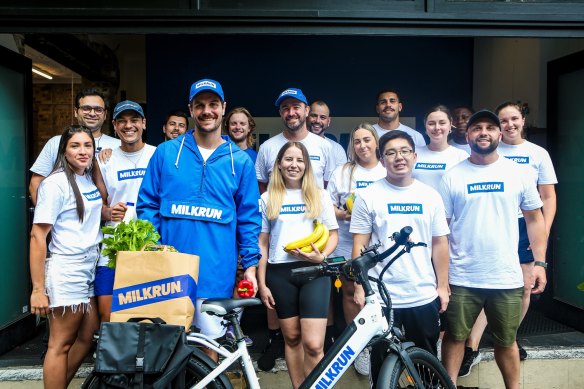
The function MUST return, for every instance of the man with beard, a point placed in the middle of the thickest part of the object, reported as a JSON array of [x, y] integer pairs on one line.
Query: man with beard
[[201, 195], [176, 124], [388, 106], [318, 122], [481, 196], [293, 109], [90, 111]]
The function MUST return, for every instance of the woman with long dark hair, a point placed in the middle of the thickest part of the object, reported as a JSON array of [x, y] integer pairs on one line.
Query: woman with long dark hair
[[69, 208]]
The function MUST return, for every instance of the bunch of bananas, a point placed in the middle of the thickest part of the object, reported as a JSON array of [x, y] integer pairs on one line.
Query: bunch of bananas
[[319, 236], [350, 202]]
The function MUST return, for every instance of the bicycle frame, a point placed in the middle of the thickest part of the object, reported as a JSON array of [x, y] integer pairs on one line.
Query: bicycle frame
[[368, 324], [229, 358]]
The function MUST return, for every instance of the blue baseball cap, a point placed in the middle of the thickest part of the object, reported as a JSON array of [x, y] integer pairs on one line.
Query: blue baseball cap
[[127, 105], [294, 93], [206, 84]]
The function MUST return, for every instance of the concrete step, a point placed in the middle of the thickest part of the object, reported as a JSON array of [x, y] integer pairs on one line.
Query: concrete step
[[559, 368]]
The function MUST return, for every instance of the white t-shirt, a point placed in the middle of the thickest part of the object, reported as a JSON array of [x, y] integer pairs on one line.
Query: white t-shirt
[[292, 223], [482, 201], [431, 165], [56, 206], [122, 176], [419, 140], [339, 189], [382, 209], [535, 158], [46, 159], [339, 153], [465, 147], [320, 151]]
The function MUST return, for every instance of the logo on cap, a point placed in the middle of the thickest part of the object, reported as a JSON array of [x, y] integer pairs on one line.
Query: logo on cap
[[205, 83], [289, 92]]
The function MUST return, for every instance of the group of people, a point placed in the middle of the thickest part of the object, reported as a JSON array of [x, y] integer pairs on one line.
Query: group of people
[[479, 213]]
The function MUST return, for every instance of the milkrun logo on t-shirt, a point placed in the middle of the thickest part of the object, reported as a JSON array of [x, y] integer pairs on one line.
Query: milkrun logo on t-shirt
[[292, 208], [482, 187], [92, 196], [518, 159], [430, 166], [315, 157], [131, 174], [404, 208], [363, 184]]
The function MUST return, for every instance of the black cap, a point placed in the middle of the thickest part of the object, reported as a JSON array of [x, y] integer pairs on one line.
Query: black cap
[[483, 114]]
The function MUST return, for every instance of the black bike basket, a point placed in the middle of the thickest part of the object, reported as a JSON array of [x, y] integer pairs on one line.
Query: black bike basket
[[141, 355]]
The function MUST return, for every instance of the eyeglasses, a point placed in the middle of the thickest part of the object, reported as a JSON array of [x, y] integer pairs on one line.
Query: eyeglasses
[[88, 108], [390, 154]]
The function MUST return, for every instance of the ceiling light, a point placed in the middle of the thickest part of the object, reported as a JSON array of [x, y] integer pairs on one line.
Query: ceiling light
[[42, 74]]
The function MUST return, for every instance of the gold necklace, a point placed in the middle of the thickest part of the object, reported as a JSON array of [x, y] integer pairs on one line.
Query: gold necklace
[[135, 163]]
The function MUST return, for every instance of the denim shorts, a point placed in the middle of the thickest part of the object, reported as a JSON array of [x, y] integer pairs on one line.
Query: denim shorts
[[69, 278], [525, 253]]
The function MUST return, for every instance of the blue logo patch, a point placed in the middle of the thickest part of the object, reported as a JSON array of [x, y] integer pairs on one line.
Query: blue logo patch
[[92, 196], [430, 166], [517, 159], [315, 157], [292, 209], [405, 208], [192, 210], [154, 291], [363, 184], [482, 187], [131, 174]]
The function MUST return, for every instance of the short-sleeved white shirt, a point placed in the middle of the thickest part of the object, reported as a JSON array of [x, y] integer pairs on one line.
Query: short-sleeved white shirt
[[46, 160], [482, 201], [292, 224], [56, 206], [320, 151], [339, 153], [419, 140], [382, 209], [431, 165], [339, 189], [465, 147], [122, 176]]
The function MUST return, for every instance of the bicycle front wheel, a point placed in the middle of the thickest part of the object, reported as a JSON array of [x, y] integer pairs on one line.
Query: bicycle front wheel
[[197, 369], [394, 374]]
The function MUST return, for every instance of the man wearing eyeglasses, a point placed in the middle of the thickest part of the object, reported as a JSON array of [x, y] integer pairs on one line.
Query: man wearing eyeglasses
[[90, 111], [418, 281]]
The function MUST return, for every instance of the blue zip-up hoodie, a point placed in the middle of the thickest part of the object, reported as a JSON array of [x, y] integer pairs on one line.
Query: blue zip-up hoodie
[[205, 208]]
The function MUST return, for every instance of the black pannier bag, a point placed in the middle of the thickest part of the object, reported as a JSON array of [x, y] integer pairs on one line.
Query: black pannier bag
[[140, 355]]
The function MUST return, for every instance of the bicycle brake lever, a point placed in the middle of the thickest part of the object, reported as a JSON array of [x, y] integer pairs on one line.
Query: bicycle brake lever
[[409, 245]]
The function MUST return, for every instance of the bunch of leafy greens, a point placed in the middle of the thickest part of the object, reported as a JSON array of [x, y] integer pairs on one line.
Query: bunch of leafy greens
[[128, 236]]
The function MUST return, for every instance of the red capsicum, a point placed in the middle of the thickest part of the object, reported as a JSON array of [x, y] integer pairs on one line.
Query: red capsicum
[[245, 289]]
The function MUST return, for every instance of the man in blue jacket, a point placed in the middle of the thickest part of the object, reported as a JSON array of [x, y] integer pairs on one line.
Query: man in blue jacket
[[201, 194]]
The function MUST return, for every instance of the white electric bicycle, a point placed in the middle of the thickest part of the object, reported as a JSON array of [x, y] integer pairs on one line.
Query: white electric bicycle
[[405, 366]]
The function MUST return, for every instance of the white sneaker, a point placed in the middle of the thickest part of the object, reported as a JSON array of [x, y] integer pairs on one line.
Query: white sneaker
[[363, 362]]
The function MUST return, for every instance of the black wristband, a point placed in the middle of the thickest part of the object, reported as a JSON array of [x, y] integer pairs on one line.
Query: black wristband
[[540, 263]]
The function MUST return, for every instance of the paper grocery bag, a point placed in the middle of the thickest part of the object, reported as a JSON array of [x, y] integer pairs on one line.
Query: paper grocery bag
[[155, 284]]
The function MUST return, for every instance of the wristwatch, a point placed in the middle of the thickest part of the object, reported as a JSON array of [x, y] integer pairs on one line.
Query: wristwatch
[[542, 264]]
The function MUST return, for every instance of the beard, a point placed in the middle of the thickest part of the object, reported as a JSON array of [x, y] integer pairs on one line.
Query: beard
[[486, 150], [294, 128]]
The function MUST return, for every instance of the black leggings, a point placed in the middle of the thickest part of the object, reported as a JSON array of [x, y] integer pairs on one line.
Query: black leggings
[[298, 296]]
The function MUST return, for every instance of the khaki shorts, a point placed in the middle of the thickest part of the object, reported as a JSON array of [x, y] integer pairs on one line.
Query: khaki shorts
[[502, 307]]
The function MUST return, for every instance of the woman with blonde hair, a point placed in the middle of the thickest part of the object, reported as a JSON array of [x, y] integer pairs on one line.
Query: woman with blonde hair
[[289, 208]]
